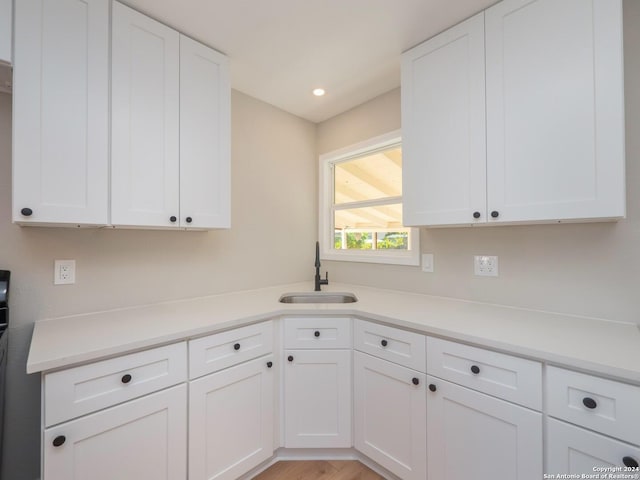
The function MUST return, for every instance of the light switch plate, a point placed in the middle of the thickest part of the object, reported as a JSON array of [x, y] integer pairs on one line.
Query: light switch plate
[[64, 272], [485, 265], [427, 262]]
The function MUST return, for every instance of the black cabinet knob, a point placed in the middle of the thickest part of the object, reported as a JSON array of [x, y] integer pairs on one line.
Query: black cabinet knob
[[495, 214], [126, 378], [475, 369], [384, 343], [269, 364], [316, 334], [189, 219], [26, 212], [476, 214], [415, 381], [432, 387], [173, 219], [236, 346], [630, 462], [60, 439], [589, 402], [290, 358]]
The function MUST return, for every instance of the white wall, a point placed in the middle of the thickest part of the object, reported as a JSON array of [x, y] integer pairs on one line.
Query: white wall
[[587, 269], [271, 242]]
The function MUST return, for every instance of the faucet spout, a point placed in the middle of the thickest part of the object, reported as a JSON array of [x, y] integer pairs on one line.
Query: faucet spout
[[318, 280]]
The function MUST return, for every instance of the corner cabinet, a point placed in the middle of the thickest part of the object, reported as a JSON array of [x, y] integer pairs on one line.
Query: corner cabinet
[[170, 127], [61, 112], [317, 382], [554, 128]]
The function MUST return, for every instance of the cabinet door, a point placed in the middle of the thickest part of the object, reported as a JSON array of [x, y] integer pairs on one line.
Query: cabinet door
[[204, 136], [443, 128], [574, 450], [231, 417], [317, 398], [144, 121], [473, 435], [555, 117], [390, 416], [6, 27], [61, 112], [141, 439]]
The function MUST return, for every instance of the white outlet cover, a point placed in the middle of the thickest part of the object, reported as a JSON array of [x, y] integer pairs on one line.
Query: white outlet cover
[[64, 272], [485, 265], [427, 262]]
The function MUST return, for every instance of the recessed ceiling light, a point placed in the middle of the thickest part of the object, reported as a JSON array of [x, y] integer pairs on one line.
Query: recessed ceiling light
[[318, 92]]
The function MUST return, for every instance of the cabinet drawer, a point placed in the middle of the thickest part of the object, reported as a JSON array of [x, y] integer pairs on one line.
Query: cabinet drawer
[[606, 406], [510, 378], [317, 332], [222, 350], [81, 390], [398, 346]]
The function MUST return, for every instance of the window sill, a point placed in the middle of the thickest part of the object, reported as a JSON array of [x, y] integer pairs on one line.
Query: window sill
[[390, 258]]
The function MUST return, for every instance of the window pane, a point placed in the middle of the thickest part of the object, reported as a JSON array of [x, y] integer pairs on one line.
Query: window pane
[[392, 240], [369, 218], [374, 176]]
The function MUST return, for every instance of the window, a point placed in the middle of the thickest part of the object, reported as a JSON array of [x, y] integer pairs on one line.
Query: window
[[361, 204]]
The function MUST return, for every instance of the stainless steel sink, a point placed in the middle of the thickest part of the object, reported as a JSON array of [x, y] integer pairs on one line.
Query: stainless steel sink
[[318, 297]]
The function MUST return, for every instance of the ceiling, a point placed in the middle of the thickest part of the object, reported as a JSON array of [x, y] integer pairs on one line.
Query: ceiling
[[280, 50]]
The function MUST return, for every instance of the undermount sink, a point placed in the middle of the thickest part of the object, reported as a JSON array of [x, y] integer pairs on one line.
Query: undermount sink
[[318, 297]]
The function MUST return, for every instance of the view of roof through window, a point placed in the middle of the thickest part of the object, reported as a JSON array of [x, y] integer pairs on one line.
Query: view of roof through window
[[368, 201]]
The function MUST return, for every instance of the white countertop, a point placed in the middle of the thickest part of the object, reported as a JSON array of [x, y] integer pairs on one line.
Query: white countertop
[[608, 348]]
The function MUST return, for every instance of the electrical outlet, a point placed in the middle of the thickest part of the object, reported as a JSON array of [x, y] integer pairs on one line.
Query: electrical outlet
[[485, 265], [427, 262], [64, 272]]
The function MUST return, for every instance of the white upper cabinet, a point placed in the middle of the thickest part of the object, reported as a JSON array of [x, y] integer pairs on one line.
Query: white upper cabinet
[[145, 170], [204, 136], [554, 117], [170, 160], [61, 112], [443, 128], [555, 110], [6, 26]]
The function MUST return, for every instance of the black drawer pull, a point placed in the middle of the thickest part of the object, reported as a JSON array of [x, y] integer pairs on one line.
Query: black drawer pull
[[26, 212], [173, 219], [290, 358], [415, 381], [589, 402], [60, 439], [316, 334], [126, 378], [476, 214], [432, 387], [189, 219], [630, 462], [236, 346], [475, 369], [495, 214], [384, 343], [269, 364]]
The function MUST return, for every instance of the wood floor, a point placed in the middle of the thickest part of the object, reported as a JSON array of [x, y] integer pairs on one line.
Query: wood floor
[[318, 470]]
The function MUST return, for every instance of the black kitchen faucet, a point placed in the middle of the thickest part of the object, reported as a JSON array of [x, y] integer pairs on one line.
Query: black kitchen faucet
[[320, 281]]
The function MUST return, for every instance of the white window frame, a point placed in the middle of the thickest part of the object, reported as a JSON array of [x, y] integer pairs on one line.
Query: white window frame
[[326, 230]]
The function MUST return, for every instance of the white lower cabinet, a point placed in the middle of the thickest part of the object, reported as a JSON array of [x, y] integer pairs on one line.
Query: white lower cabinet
[[141, 439], [231, 420], [575, 450], [473, 435], [390, 416], [317, 398]]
